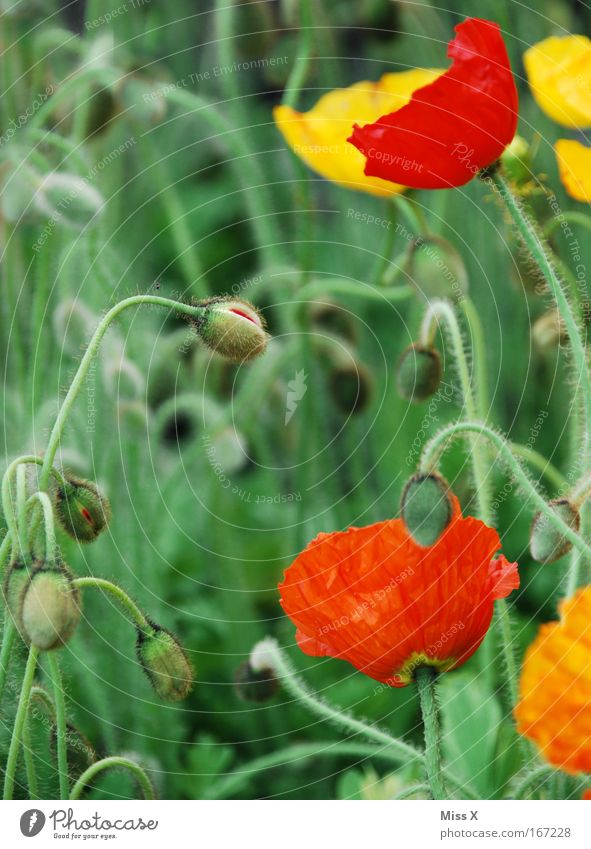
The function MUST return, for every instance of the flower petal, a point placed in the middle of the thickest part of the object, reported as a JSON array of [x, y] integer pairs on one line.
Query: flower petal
[[559, 74], [505, 577], [574, 167], [455, 126], [319, 137]]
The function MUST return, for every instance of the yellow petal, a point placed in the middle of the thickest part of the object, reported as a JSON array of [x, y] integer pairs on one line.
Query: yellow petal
[[574, 167], [559, 74], [319, 137]]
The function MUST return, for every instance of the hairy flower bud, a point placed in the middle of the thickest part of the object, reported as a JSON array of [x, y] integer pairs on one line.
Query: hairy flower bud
[[164, 662], [232, 328], [418, 373], [334, 319], [426, 507], [546, 542], [516, 161], [548, 331], [50, 607], [254, 685], [83, 511], [436, 268]]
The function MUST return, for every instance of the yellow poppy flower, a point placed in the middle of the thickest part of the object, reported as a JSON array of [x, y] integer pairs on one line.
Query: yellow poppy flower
[[574, 166], [554, 707], [319, 137], [559, 74]]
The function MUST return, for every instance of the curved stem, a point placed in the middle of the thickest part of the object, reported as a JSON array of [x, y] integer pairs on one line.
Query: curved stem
[[439, 310], [89, 354], [21, 714], [437, 445], [29, 759], [130, 607], [231, 783], [103, 76], [479, 348], [319, 288], [425, 681], [412, 791], [572, 216], [534, 242], [112, 763], [46, 506], [6, 650], [61, 729], [530, 781], [534, 458]]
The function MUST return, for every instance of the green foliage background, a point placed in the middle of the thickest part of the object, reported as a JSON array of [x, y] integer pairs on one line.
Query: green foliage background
[[204, 557]]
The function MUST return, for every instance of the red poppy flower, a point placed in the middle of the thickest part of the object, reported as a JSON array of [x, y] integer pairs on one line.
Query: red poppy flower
[[375, 598], [452, 127]]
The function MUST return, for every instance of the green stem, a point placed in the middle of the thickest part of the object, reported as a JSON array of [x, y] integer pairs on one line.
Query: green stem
[[412, 791], [574, 217], [534, 458], [301, 65], [440, 442], [6, 650], [60, 723], [21, 509], [130, 607], [232, 783], [46, 506], [539, 250], [479, 347], [17, 731], [113, 763], [425, 681], [86, 361], [529, 782], [443, 311], [102, 76], [29, 759], [320, 288]]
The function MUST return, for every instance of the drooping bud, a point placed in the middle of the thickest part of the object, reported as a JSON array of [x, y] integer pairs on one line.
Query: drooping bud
[[516, 161], [426, 507], [165, 663], [81, 753], [418, 373], [254, 686], [232, 328], [546, 542], [13, 589], [50, 607], [351, 387], [83, 511], [436, 268], [334, 319]]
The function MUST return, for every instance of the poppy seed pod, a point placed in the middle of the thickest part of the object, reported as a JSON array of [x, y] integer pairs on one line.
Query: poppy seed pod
[[418, 373], [50, 607], [426, 507], [164, 662], [254, 685], [83, 511], [546, 541], [232, 328]]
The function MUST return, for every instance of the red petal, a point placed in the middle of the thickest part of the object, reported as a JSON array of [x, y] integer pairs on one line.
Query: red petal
[[505, 577], [452, 127]]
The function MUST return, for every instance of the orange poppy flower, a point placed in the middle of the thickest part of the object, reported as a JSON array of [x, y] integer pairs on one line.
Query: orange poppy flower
[[587, 794], [375, 598], [554, 708]]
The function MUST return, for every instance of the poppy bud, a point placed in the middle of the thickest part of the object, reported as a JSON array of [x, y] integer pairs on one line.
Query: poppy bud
[[436, 268], [548, 331], [83, 511], [334, 319], [50, 607], [351, 387], [546, 542], [418, 372], [81, 753], [165, 663], [426, 507], [516, 161], [251, 686], [232, 328]]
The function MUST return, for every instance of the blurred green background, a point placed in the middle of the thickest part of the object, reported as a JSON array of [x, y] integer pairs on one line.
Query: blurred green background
[[212, 493]]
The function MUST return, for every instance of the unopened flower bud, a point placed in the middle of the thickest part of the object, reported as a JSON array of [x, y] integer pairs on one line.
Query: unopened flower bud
[[548, 331], [334, 319], [81, 753], [351, 387], [50, 607], [418, 373], [254, 686], [436, 268], [232, 328], [516, 161], [547, 542], [83, 511], [426, 507], [165, 663]]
